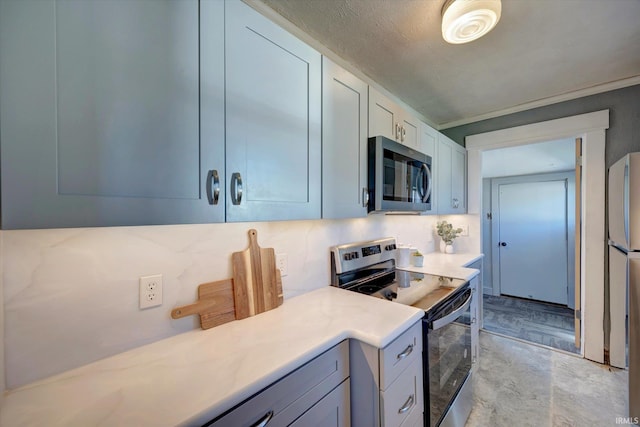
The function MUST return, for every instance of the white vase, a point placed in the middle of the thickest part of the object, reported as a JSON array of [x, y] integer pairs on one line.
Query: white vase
[[418, 261], [446, 249]]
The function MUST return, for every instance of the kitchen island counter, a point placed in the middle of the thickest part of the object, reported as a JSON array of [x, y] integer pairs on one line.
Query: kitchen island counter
[[193, 377]]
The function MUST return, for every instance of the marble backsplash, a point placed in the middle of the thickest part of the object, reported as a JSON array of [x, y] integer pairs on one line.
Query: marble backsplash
[[71, 295]]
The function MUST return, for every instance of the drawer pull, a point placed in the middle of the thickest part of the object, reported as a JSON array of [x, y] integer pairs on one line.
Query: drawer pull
[[265, 420], [407, 405], [407, 351]]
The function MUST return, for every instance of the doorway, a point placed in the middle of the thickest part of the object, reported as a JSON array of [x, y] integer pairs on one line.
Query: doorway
[[530, 246], [591, 127]]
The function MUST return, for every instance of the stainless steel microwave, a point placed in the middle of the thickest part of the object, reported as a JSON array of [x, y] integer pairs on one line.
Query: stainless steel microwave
[[399, 178]]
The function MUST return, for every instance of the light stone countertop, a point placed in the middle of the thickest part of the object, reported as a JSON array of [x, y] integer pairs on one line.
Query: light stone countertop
[[191, 378], [449, 265]]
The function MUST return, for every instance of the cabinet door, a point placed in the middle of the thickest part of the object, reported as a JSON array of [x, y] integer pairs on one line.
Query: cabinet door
[[332, 411], [273, 122], [451, 169], [100, 112], [344, 143], [428, 140], [384, 116], [410, 130], [459, 178], [443, 171]]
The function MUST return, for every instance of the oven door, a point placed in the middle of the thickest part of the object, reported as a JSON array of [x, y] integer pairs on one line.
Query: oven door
[[448, 357]]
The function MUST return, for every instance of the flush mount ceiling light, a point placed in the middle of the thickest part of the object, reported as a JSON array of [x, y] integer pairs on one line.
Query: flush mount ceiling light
[[467, 20]]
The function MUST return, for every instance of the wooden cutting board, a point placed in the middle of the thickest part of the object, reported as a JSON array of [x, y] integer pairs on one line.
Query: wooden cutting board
[[215, 304], [257, 282]]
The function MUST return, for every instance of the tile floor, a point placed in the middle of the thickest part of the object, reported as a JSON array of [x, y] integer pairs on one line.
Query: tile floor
[[518, 384], [534, 321]]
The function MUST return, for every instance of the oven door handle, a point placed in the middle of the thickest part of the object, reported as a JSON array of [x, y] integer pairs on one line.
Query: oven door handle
[[439, 323]]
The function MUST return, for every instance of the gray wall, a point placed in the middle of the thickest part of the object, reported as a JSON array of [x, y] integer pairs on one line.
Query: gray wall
[[623, 135]]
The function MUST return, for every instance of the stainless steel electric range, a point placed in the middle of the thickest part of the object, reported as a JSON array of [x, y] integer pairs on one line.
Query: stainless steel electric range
[[370, 268]]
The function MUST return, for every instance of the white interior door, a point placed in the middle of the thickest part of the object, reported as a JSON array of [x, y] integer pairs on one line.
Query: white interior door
[[533, 240]]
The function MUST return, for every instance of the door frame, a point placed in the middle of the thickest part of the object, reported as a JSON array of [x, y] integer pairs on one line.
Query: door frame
[[592, 128], [569, 178]]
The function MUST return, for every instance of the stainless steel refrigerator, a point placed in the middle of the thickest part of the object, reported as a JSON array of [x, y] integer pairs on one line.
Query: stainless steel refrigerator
[[624, 271]]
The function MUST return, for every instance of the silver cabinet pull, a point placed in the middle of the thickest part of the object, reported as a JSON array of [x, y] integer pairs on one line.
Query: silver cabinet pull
[[213, 187], [365, 197], [236, 188], [403, 133], [455, 203], [407, 405], [264, 420], [407, 351], [397, 131]]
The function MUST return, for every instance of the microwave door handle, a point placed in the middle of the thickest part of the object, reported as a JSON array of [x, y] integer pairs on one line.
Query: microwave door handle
[[427, 192], [444, 321]]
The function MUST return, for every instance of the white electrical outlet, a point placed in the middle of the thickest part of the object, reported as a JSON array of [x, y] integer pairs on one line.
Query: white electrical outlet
[[465, 229], [282, 264], [150, 291]]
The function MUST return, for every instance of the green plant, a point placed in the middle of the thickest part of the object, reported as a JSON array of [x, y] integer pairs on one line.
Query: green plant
[[447, 232], [417, 253]]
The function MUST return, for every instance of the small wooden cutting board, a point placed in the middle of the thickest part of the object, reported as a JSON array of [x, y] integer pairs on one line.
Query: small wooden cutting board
[[257, 282], [215, 304]]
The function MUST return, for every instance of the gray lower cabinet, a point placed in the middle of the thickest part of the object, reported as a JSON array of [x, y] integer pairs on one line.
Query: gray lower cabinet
[[273, 120], [316, 394], [388, 382], [344, 143], [476, 310], [332, 411], [112, 112]]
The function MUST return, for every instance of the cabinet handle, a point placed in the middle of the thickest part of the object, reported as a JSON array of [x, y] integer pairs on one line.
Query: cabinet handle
[[236, 188], [365, 197], [264, 420], [213, 191], [407, 405], [397, 131], [407, 351], [455, 203], [403, 133]]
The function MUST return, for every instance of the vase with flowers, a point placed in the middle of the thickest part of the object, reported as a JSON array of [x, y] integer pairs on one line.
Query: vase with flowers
[[448, 234]]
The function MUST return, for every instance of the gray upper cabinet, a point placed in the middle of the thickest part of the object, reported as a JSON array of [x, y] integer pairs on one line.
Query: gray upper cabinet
[[273, 120], [344, 143], [112, 113], [388, 119], [451, 172]]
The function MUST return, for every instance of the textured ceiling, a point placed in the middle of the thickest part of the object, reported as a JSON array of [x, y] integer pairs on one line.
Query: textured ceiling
[[539, 49]]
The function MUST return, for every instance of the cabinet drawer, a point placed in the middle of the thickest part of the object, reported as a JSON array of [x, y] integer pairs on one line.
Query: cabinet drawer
[[403, 397], [398, 355], [332, 411], [415, 418], [294, 394]]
